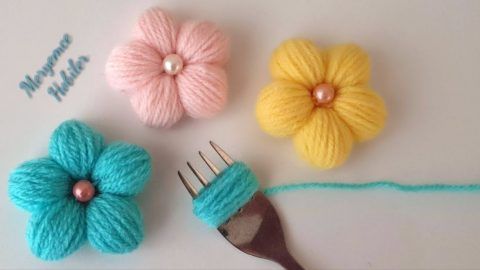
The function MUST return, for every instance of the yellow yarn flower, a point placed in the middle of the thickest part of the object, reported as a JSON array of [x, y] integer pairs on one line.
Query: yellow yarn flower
[[322, 99]]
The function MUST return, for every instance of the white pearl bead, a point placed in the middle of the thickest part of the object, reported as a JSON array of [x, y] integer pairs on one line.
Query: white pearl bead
[[172, 64], [323, 94]]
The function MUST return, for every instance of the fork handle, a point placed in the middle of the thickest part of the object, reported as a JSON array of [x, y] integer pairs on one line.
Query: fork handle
[[289, 263]]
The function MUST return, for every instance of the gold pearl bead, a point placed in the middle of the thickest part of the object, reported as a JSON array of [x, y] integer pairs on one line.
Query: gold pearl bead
[[323, 94]]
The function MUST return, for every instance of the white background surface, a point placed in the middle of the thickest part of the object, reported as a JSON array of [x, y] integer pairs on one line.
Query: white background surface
[[425, 57]]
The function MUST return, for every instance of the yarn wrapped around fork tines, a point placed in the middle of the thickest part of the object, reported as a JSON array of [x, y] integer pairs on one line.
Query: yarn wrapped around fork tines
[[225, 195]]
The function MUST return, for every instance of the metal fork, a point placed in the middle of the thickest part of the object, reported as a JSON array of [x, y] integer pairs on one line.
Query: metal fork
[[255, 229]]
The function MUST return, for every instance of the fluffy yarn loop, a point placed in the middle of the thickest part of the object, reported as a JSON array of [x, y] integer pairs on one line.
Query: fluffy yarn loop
[[156, 28], [200, 96], [348, 65], [286, 120], [60, 223], [323, 134], [363, 111], [114, 224], [298, 60], [325, 140], [202, 42], [199, 89], [37, 183], [131, 66], [158, 103], [76, 147], [57, 231], [122, 169], [225, 195]]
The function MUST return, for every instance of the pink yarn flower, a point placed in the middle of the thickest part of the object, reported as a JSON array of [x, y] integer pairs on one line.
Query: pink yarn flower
[[171, 70]]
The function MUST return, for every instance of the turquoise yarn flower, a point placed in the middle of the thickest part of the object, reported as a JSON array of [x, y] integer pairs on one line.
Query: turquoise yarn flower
[[82, 191]]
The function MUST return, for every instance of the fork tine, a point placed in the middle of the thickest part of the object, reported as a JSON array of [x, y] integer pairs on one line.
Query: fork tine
[[222, 153], [193, 192], [200, 177], [210, 164]]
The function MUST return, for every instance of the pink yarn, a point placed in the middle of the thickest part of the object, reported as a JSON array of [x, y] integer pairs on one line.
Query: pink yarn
[[160, 99]]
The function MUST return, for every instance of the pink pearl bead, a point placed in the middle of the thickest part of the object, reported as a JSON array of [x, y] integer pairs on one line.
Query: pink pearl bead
[[172, 64], [83, 191], [323, 94]]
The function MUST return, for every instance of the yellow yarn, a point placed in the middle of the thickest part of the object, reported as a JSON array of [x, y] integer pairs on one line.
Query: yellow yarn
[[290, 59], [348, 65], [285, 120], [325, 141], [362, 110], [322, 135]]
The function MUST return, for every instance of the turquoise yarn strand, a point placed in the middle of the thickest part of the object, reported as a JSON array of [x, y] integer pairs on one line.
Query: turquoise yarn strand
[[385, 185], [234, 187]]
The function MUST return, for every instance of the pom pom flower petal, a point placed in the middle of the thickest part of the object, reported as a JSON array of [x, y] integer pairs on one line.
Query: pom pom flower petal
[[82, 191], [171, 70], [321, 99]]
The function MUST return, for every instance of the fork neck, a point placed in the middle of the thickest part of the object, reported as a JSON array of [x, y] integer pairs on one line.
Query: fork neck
[[288, 262]]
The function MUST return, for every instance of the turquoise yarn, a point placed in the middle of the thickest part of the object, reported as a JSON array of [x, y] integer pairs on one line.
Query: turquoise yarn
[[38, 183], [60, 224], [225, 195], [57, 231], [234, 187], [76, 147], [121, 233], [121, 169], [375, 185]]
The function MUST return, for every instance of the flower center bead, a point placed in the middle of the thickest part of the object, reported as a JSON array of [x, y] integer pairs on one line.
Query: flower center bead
[[323, 94], [172, 64], [83, 191]]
